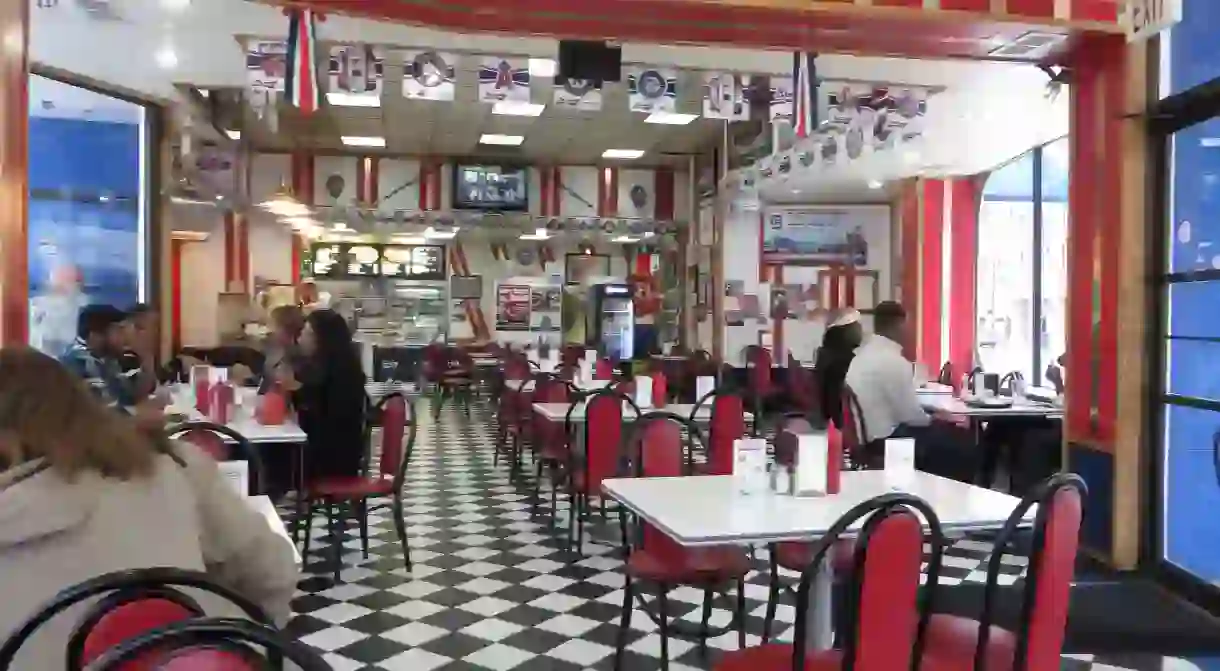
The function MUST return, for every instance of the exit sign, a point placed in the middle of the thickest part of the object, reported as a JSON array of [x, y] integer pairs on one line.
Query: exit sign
[[1145, 18]]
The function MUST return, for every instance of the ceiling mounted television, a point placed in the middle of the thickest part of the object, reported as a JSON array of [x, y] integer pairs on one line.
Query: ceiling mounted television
[[478, 186]]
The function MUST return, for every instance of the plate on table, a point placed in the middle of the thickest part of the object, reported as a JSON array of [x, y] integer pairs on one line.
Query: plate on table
[[990, 402]]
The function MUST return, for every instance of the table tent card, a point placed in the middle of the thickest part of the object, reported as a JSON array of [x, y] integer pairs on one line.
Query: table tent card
[[810, 474], [237, 474], [643, 391], [750, 465], [704, 385], [900, 456], [585, 371]]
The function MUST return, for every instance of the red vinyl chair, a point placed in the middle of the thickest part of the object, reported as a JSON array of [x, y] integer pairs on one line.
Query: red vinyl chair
[[132, 602], [603, 369], [585, 471], [210, 644], [223, 444], [456, 380], [855, 434], [655, 449], [511, 430], [885, 618], [728, 423], [550, 444], [956, 643], [760, 384], [397, 419]]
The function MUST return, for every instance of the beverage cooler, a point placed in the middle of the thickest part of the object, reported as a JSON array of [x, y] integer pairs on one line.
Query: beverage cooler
[[611, 327]]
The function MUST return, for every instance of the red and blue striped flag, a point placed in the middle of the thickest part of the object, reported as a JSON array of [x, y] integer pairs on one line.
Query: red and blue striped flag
[[804, 88], [301, 80]]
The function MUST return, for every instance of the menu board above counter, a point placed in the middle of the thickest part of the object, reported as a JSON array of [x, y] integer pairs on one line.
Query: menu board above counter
[[407, 262]]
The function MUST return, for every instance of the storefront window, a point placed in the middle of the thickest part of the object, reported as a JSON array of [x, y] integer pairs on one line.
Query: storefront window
[[1190, 53], [87, 206], [1021, 294]]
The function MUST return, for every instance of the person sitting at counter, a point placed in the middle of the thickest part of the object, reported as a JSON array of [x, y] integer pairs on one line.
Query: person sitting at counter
[[327, 386]]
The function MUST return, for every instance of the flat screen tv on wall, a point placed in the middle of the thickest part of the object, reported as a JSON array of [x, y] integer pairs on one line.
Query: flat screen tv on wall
[[496, 188]]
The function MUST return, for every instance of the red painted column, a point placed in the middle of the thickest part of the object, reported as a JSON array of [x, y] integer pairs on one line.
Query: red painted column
[[663, 190], [908, 284], [14, 172], [607, 192], [175, 304], [931, 268], [966, 193], [545, 188], [230, 247]]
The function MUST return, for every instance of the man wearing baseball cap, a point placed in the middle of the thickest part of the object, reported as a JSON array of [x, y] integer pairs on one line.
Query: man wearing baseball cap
[[94, 357]]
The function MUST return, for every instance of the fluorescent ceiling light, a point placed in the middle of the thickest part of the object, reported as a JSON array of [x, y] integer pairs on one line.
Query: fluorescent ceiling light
[[508, 108], [345, 99], [542, 67], [623, 153], [340, 227], [538, 234], [503, 140], [875, 184], [440, 235], [408, 239], [671, 118], [166, 57], [362, 141], [648, 234], [625, 239], [234, 135]]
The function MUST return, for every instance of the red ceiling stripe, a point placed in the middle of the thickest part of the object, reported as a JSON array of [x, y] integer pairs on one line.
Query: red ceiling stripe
[[612, 192], [557, 191], [908, 219], [1041, 9]]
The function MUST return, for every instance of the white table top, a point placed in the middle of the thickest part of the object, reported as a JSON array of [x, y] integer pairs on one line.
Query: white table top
[[1021, 407], [709, 510], [264, 507], [584, 385], [936, 388], [288, 432], [556, 412]]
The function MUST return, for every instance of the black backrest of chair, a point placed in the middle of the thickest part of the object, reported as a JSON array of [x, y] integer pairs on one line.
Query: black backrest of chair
[[207, 633]]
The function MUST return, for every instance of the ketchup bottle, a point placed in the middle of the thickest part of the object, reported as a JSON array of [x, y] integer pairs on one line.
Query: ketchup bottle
[[834, 458], [659, 392]]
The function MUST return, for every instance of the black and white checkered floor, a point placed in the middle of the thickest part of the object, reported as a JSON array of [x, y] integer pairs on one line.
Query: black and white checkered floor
[[494, 588]]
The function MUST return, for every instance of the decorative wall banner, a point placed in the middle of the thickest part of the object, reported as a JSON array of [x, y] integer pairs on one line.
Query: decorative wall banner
[[429, 75], [652, 90], [781, 98], [356, 69], [504, 80], [266, 72], [724, 96], [818, 235], [512, 307], [579, 94]]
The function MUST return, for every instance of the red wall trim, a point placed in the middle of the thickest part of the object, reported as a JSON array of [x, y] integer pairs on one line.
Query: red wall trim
[[1083, 197], [557, 191], [607, 192], [425, 188], [930, 272], [777, 331], [963, 307], [242, 223], [230, 243], [1115, 85], [298, 253], [436, 183], [663, 188], [545, 176], [14, 172], [373, 193], [175, 297]]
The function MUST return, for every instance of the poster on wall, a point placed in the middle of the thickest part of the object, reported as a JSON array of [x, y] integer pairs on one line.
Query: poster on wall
[[504, 80], [355, 72], [512, 307], [822, 236], [652, 90], [578, 94], [546, 308], [724, 96], [429, 75]]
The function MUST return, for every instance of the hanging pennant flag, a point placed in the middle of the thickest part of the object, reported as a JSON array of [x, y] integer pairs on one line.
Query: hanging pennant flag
[[429, 75], [355, 74], [652, 90], [504, 80], [805, 77], [301, 85], [266, 67], [724, 96], [578, 94], [781, 98]]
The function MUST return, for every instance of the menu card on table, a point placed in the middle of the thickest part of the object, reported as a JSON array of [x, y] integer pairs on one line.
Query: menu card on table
[[643, 391], [750, 465], [810, 475]]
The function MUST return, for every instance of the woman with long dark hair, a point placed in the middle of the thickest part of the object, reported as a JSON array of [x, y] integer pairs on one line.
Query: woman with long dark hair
[[839, 342], [328, 393]]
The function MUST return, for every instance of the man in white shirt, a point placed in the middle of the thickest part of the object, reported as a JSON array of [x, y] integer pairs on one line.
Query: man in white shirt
[[884, 383]]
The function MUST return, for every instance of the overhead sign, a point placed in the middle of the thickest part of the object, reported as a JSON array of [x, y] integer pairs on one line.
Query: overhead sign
[[1145, 18]]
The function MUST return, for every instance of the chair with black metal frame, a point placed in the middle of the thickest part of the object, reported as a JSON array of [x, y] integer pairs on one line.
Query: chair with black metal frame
[[211, 643], [862, 454], [99, 629], [760, 380], [398, 420], [727, 424], [955, 643], [508, 413], [598, 458], [549, 448], [456, 382], [223, 444], [654, 448], [884, 615]]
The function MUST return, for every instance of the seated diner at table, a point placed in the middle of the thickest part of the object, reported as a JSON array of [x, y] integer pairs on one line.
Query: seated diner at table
[[840, 341], [883, 382], [84, 492], [327, 387], [280, 348]]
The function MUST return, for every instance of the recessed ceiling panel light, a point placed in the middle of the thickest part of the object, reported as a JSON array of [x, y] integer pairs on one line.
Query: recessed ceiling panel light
[[623, 153], [344, 99], [166, 57], [408, 240], [362, 141], [542, 67], [507, 108], [234, 135], [670, 118], [440, 235], [502, 140], [625, 239], [875, 184]]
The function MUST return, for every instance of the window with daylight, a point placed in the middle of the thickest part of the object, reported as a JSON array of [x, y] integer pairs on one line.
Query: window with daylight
[[1022, 265]]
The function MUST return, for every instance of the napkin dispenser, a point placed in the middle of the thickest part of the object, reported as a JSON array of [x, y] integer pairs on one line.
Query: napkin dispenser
[[815, 471], [643, 391], [750, 465], [704, 385], [585, 370]]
